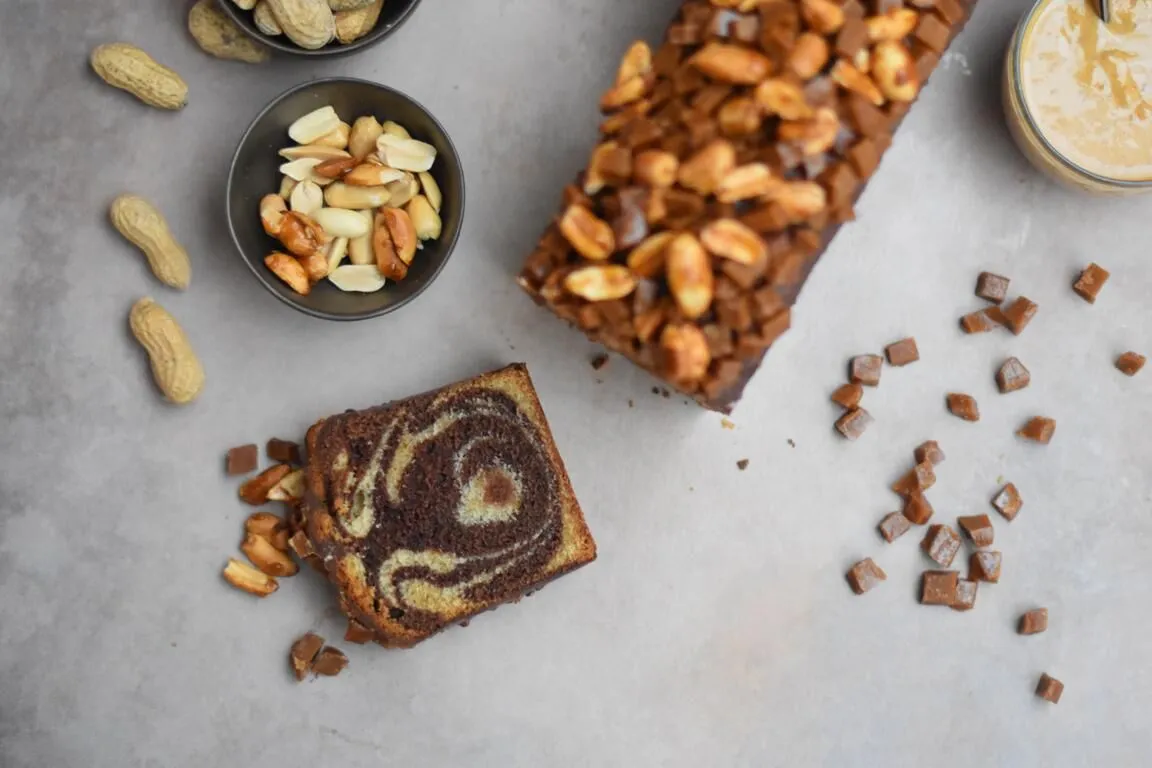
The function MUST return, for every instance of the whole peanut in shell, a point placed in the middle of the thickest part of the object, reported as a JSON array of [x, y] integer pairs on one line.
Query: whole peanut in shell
[[175, 367], [219, 36], [308, 23], [144, 226], [124, 66]]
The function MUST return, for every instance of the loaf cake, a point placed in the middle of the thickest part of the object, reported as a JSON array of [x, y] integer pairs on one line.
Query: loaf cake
[[728, 159], [429, 510]]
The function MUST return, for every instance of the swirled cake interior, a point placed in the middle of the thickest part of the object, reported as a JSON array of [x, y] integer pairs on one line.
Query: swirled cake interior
[[432, 509]]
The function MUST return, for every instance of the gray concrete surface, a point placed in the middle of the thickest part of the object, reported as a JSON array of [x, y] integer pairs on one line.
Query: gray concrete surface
[[716, 628]]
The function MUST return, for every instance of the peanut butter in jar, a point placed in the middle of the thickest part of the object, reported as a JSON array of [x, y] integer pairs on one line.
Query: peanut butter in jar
[[1078, 93]]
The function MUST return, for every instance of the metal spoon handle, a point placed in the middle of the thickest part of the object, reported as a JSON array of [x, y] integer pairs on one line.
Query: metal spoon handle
[[1106, 11]]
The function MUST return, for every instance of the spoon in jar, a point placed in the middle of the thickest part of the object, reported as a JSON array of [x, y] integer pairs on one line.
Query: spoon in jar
[[1106, 11]]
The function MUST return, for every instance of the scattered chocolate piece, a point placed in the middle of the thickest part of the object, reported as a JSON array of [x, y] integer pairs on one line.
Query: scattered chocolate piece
[[996, 316], [929, 451], [939, 587], [242, 460], [791, 442], [917, 509], [330, 662], [965, 595], [1038, 430], [1012, 376], [742, 464], [283, 451], [976, 322], [357, 633], [301, 545], [893, 526], [992, 287], [848, 395], [978, 528], [1019, 313], [902, 352], [941, 544], [303, 653], [1050, 689], [865, 369], [919, 478], [1091, 280], [865, 575], [1033, 622], [599, 361], [984, 566], [963, 406], [853, 423], [1008, 502], [1130, 363]]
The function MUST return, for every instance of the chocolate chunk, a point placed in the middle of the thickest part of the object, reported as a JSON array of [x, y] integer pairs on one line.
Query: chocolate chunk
[[929, 451], [920, 478], [965, 595], [977, 322], [938, 587], [917, 509], [301, 545], [853, 423], [848, 395], [978, 528], [984, 566], [893, 526], [865, 575], [1019, 314], [742, 464], [284, 451], [902, 352], [303, 653], [1049, 689], [865, 158], [242, 460], [996, 316], [865, 369], [358, 633], [963, 406], [599, 362], [1033, 622], [330, 662], [993, 288], [1008, 502], [852, 37], [952, 11], [1012, 376], [1039, 430], [933, 32], [941, 543], [1130, 363], [1091, 280]]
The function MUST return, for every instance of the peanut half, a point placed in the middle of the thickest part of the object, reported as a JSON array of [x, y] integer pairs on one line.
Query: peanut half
[[267, 558], [245, 577], [219, 36], [144, 226], [175, 367], [130, 69]]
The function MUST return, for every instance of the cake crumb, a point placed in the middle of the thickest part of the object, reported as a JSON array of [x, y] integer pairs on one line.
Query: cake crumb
[[599, 362], [655, 390], [631, 403], [791, 442], [742, 464], [727, 423], [665, 393]]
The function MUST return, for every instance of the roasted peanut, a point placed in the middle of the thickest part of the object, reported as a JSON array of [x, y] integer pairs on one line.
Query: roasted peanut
[[731, 239], [690, 275], [290, 271], [647, 259], [600, 283], [144, 226], [265, 20], [425, 220], [341, 195], [272, 210], [684, 354], [175, 367], [656, 168], [402, 232], [245, 577], [267, 558], [704, 170], [590, 236], [388, 260], [732, 63]]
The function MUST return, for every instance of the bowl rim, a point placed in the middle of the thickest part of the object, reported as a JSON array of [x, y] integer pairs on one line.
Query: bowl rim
[[377, 35], [265, 278]]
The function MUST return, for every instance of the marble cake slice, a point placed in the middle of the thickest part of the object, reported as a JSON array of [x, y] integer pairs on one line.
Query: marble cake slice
[[430, 510]]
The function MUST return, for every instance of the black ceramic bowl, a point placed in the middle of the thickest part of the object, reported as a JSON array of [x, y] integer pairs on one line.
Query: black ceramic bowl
[[256, 172], [394, 13]]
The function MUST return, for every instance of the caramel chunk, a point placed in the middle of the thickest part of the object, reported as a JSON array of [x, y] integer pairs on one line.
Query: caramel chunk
[[853, 423], [1033, 622], [920, 478], [965, 595], [993, 288], [917, 509], [283, 451], [1130, 363], [1039, 430], [1008, 502], [939, 587], [1049, 689], [929, 451], [848, 395], [865, 575], [1012, 376], [963, 406], [303, 653], [902, 352], [978, 528], [893, 526], [984, 566], [865, 369], [330, 662], [941, 544], [977, 322], [1019, 313], [242, 460], [1090, 282]]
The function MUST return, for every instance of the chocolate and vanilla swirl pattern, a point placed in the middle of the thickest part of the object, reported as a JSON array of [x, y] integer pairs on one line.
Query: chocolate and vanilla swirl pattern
[[449, 502]]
